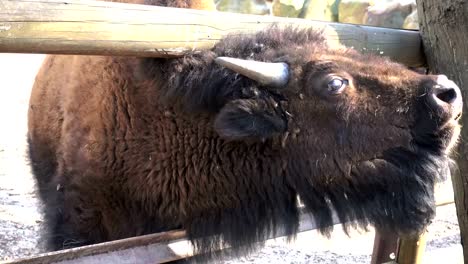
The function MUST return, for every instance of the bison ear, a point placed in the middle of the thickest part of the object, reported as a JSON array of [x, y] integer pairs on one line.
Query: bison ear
[[247, 118]]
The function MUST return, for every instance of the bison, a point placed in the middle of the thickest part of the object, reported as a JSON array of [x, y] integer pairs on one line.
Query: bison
[[222, 142]]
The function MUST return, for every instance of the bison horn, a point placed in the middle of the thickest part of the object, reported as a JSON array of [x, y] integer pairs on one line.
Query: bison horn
[[266, 73]]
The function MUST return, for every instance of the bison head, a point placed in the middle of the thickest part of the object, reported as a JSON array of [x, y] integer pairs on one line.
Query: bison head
[[345, 131]]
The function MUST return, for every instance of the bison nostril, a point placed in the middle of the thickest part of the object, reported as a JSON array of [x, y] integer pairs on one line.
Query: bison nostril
[[447, 95], [445, 98]]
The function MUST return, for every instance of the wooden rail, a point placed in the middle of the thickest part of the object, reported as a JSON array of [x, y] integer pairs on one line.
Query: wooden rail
[[155, 248], [173, 245], [142, 249], [106, 28]]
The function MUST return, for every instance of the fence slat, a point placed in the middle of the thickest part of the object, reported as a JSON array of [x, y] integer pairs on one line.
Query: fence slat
[[164, 247], [106, 28], [155, 248]]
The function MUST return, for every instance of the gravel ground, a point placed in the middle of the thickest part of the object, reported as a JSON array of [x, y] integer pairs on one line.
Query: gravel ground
[[20, 217]]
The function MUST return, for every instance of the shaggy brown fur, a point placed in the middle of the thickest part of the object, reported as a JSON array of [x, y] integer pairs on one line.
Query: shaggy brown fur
[[125, 146]]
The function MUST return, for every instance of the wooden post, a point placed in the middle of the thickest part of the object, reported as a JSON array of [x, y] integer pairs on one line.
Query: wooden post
[[389, 248], [444, 29], [411, 249], [385, 248], [106, 28]]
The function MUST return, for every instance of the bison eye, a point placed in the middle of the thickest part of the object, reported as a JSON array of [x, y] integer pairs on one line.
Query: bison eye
[[337, 85]]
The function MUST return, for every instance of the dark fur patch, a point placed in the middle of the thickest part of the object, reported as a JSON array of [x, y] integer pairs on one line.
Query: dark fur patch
[[248, 119]]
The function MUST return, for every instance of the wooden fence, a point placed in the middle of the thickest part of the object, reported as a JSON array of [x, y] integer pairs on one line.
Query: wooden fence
[[103, 28], [173, 245], [155, 248]]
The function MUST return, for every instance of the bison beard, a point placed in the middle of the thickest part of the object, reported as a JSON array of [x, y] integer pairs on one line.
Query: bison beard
[[394, 193], [213, 173]]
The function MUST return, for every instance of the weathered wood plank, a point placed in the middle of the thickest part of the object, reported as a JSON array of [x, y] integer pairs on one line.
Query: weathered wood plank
[[385, 247], [166, 247], [148, 247], [444, 28], [154, 248], [104, 28], [411, 249]]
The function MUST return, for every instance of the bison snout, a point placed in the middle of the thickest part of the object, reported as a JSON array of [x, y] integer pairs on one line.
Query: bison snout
[[445, 97]]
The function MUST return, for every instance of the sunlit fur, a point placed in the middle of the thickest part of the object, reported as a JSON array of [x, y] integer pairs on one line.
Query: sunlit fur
[[125, 146]]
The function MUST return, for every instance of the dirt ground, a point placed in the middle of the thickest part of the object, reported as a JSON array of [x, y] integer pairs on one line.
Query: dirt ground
[[20, 217]]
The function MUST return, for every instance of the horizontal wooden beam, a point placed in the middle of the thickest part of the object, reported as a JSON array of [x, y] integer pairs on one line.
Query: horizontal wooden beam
[[145, 249], [155, 248], [106, 28]]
